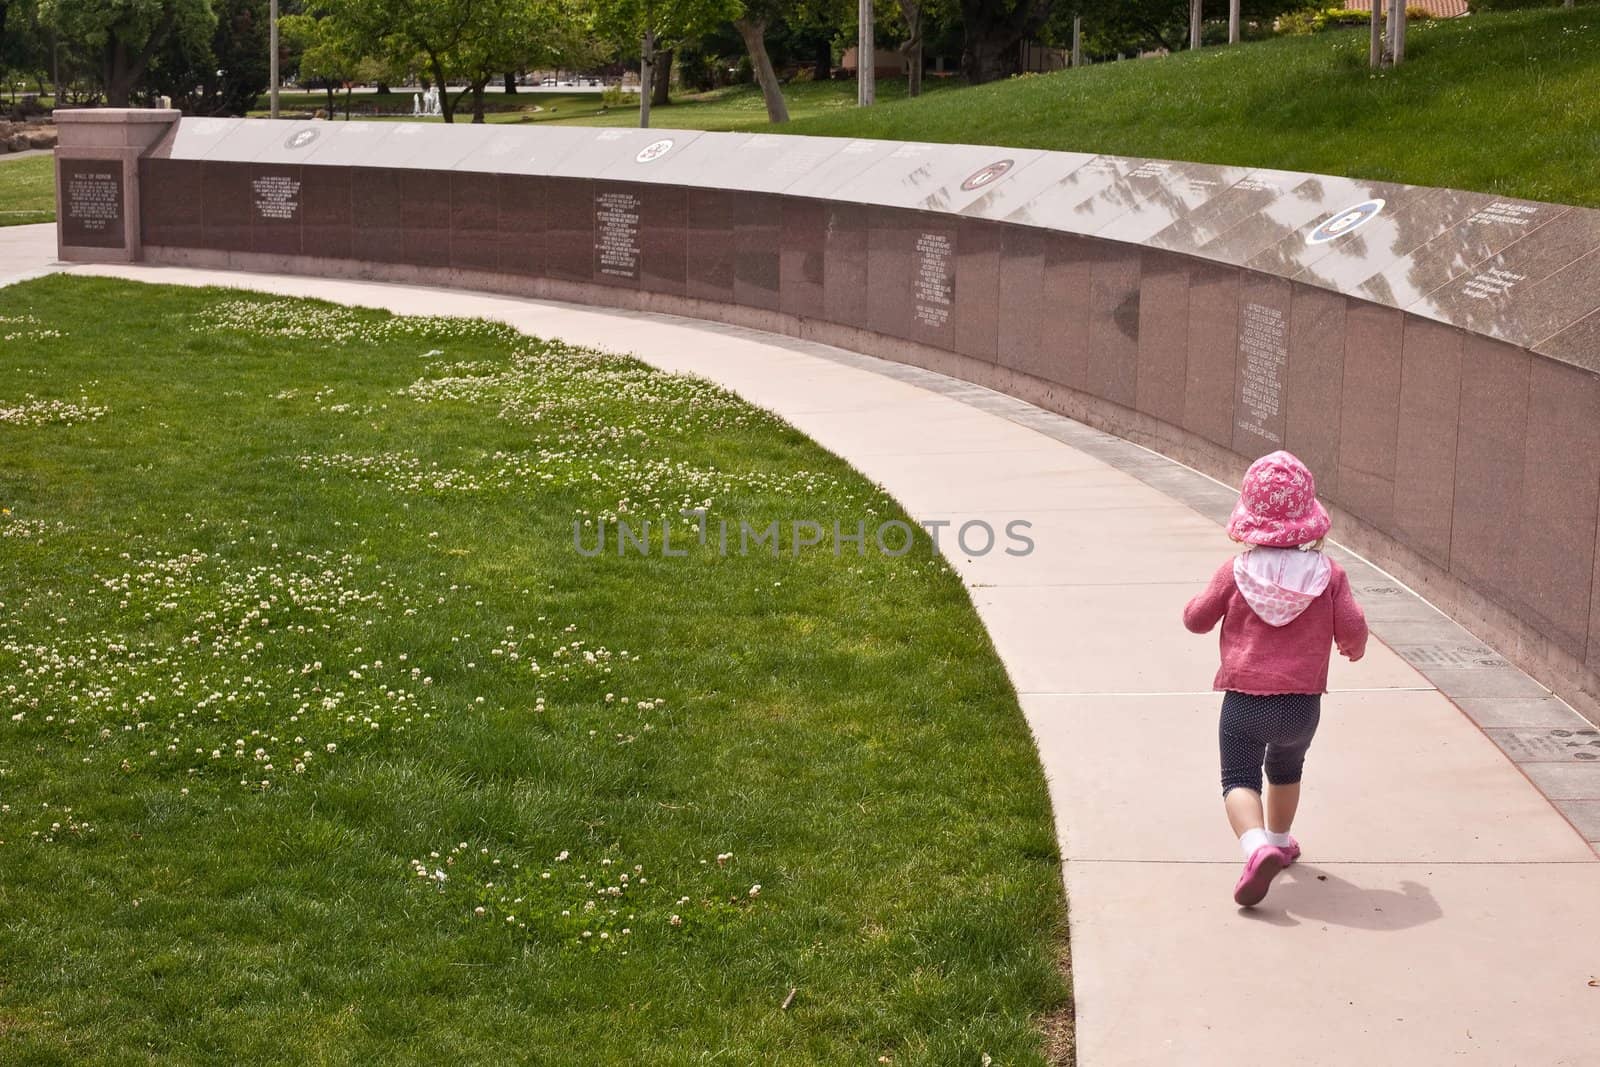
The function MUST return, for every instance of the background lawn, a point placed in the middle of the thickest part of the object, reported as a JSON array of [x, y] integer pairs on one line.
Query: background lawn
[[27, 190], [321, 743]]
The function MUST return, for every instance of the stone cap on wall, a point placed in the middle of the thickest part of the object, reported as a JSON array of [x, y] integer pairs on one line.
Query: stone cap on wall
[[1518, 270]]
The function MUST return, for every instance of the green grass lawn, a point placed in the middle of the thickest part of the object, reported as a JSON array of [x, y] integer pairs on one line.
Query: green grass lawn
[[27, 190], [322, 743], [1503, 103]]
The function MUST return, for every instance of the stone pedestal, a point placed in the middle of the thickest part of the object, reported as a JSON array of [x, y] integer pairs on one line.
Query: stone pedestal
[[97, 179]]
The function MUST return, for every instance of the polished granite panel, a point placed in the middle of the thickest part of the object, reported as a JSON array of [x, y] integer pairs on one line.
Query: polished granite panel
[[377, 231], [425, 217], [1063, 354], [1212, 351], [764, 162], [474, 221], [1272, 237], [1488, 230], [352, 144], [1023, 306], [510, 150], [1163, 192], [289, 142], [1505, 296], [845, 259], [933, 177], [853, 159], [225, 194], [977, 292], [1261, 367], [1369, 412], [270, 142], [1561, 493], [758, 231], [712, 246], [1113, 322], [1578, 344], [277, 199], [1368, 238], [194, 138], [1425, 457], [1491, 446], [664, 237], [999, 200], [619, 225], [169, 203], [1202, 226], [1314, 387], [327, 213], [1162, 380], [1394, 233], [1074, 203], [521, 223], [622, 154], [420, 145], [802, 252], [569, 228]]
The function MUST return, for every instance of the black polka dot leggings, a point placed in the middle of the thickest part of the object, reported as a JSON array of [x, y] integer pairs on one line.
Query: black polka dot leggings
[[1274, 731]]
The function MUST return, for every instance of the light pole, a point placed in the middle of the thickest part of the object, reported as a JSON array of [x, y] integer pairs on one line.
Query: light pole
[[272, 34], [866, 58]]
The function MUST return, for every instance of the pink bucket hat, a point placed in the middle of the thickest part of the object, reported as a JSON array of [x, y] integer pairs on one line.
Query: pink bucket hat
[[1278, 504]]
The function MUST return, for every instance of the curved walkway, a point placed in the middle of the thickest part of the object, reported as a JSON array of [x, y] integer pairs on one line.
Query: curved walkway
[[1444, 910]]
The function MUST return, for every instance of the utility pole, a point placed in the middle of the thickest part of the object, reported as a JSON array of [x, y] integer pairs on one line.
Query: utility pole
[[1194, 23], [866, 58], [1233, 21], [1397, 31], [1077, 41], [272, 35]]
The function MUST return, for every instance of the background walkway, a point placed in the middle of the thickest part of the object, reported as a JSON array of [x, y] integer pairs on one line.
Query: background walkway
[[1444, 911]]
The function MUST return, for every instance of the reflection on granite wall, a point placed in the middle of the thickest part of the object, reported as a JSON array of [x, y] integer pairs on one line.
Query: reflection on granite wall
[[1179, 323]]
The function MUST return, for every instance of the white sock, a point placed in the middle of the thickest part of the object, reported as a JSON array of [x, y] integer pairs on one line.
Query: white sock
[[1281, 840], [1251, 840]]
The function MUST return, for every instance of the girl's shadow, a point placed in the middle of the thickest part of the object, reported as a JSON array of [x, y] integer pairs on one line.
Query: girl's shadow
[[1311, 894]]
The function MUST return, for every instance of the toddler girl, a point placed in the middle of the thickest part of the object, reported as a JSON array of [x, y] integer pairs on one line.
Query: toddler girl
[[1283, 604]]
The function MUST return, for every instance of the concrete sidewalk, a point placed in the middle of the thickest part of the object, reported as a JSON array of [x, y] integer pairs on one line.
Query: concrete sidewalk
[[1444, 911]]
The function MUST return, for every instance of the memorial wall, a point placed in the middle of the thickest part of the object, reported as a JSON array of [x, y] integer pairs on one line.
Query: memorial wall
[[1431, 353]]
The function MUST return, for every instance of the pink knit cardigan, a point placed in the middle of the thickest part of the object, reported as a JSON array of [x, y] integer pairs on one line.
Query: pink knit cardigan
[[1263, 660]]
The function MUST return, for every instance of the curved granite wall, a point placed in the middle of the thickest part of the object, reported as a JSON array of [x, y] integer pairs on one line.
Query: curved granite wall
[[1430, 352]]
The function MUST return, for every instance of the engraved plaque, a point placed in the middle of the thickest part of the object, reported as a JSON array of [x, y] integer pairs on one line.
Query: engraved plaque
[[1263, 355], [91, 203], [276, 196], [933, 284], [616, 234]]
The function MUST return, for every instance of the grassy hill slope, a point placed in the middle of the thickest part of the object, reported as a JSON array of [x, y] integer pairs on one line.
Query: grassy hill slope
[[1504, 103]]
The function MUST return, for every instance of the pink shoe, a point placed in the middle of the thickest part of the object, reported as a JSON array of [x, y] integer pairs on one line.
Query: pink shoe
[[1259, 871], [1292, 850]]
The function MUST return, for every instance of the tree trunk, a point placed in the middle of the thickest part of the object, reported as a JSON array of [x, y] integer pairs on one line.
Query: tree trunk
[[329, 87], [122, 73], [1397, 33], [384, 89], [989, 51], [349, 89], [478, 86], [911, 47], [754, 32], [647, 49], [511, 84], [447, 106], [662, 85], [1375, 35]]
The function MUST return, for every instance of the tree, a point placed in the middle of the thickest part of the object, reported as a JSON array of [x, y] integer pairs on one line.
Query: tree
[[432, 30], [752, 23], [516, 34], [226, 76], [123, 36], [330, 54], [994, 29], [655, 27]]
